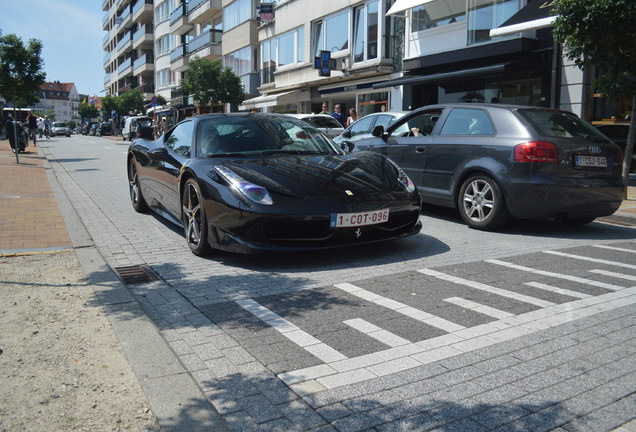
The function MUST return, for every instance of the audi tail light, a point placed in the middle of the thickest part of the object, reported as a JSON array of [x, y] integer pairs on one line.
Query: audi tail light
[[536, 151]]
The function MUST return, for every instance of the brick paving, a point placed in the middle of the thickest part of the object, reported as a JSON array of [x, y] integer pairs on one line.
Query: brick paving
[[30, 220]]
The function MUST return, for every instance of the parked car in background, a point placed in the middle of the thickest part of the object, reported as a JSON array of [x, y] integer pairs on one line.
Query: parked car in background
[[362, 128], [132, 125], [323, 122], [93, 130], [493, 162], [86, 127], [105, 128], [60, 128], [267, 182], [618, 132]]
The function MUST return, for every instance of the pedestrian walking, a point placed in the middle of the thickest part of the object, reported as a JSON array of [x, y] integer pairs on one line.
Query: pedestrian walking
[[338, 115], [353, 117], [32, 124], [40, 127]]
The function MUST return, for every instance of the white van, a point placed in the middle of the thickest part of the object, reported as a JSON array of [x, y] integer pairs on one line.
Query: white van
[[131, 124]]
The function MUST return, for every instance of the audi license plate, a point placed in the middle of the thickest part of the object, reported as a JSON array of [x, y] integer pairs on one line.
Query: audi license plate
[[341, 220], [590, 161]]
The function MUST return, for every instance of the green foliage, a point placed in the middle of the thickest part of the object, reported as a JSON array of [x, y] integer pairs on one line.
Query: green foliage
[[72, 124], [161, 100], [601, 33], [20, 70], [208, 82], [130, 100], [109, 103], [87, 111]]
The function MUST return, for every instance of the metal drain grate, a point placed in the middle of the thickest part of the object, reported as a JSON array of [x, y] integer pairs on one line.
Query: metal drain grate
[[131, 275]]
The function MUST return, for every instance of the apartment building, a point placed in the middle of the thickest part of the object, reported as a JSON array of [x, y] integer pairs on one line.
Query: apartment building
[[365, 47], [129, 53]]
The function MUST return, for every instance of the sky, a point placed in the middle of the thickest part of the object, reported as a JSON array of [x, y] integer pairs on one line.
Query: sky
[[71, 34]]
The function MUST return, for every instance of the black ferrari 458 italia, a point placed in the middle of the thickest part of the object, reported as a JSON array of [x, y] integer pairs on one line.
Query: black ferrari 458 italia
[[266, 182]]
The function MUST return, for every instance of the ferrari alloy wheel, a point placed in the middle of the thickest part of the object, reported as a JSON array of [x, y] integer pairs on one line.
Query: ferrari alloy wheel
[[481, 203], [194, 220], [137, 199]]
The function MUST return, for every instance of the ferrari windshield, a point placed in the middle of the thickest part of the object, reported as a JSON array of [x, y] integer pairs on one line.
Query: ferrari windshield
[[256, 135]]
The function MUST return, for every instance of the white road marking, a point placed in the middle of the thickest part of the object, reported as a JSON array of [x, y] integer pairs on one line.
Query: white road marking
[[487, 288], [616, 248], [558, 290], [303, 339], [416, 314], [478, 307], [377, 333], [557, 275], [595, 260], [613, 274]]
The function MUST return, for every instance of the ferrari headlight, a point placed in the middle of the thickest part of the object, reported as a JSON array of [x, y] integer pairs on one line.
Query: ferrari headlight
[[255, 193], [403, 178]]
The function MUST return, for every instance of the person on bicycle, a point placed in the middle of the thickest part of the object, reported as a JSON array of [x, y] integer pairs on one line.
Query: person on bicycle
[[47, 127], [32, 123]]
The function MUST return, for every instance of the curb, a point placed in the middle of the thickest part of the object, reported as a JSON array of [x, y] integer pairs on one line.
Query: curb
[[173, 395]]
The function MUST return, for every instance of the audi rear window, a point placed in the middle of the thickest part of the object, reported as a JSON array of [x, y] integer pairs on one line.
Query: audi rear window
[[559, 124]]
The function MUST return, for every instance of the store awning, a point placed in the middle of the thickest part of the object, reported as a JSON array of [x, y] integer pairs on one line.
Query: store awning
[[264, 101], [533, 16], [419, 79], [401, 5]]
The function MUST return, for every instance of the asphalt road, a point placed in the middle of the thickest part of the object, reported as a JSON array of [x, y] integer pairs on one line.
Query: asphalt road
[[530, 328]]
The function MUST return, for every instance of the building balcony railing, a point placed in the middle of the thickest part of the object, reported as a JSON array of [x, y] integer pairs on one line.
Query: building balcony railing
[[106, 78], [178, 52], [125, 13], [125, 40], [145, 29], [139, 5], [205, 39], [107, 57], [193, 4], [105, 20], [123, 67], [179, 12], [146, 88], [144, 59]]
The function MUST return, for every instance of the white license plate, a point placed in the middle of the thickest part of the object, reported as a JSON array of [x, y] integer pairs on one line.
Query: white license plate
[[341, 220], [590, 161]]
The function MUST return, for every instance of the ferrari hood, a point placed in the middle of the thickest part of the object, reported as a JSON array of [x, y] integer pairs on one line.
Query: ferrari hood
[[360, 176]]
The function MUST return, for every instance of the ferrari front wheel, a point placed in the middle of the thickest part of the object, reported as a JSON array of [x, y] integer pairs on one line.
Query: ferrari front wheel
[[137, 199], [194, 220]]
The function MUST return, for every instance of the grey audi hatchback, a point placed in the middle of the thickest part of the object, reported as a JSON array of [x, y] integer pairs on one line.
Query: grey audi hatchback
[[492, 162]]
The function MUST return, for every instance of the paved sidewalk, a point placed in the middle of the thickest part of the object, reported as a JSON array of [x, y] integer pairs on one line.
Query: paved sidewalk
[[30, 220]]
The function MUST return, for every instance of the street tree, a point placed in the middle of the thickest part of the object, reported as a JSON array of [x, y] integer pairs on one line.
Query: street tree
[[110, 104], [209, 83], [130, 101], [601, 33], [21, 73], [88, 111]]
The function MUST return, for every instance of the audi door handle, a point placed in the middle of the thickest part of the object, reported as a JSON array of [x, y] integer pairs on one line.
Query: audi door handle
[[420, 149]]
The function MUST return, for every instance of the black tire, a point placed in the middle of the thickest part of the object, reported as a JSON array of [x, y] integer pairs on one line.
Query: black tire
[[481, 203], [194, 219], [137, 199]]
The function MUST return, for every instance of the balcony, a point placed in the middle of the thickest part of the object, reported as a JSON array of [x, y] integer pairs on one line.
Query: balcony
[[143, 37], [207, 44], [125, 68], [142, 12], [145, 63], [179, 24], [124, 20], [106, 58], [106, 79], [179, 58], [125, 44], [201, 11], [105, 21]]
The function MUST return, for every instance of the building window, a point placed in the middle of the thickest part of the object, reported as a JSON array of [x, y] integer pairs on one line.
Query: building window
[[283, 50], [484, 16], [438, 13], [239, 12], [164, 78], [162, 11], [365, 32], [331, 33], [164, 44], [240, 61]]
